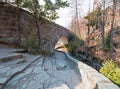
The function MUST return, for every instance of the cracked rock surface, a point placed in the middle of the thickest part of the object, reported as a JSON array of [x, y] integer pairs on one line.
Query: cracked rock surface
[[38, 72]]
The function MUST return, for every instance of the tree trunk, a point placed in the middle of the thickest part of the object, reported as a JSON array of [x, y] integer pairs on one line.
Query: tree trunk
[[102, 35], [18, 24], [103, 26], [35, 2], [88, 33], [112, 26]]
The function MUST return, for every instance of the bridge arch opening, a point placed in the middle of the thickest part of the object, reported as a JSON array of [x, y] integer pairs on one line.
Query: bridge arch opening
[[62, 41]]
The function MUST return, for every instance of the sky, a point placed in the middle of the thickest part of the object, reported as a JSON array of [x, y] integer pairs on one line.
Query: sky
[[65, 16]]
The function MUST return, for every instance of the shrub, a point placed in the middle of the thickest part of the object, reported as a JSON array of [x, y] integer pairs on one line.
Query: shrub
[[74, 44], [32, 42], [33, 45], [107, 43], [111, 71]]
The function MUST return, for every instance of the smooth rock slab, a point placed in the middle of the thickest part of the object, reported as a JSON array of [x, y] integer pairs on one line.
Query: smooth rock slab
[[38, 70], [58, 85], [43, 73], [34, 85], [3, 80], [69, 77], [5, 58]]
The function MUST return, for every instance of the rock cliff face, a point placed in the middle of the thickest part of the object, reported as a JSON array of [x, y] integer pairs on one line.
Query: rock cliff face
[[9, 33]]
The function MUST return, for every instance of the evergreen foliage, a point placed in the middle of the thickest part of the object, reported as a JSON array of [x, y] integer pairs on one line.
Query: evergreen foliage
[[47, 10], [92, 18]]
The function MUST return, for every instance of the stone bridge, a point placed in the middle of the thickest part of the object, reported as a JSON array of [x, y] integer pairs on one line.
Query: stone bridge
[[36, 72], [10, 34]]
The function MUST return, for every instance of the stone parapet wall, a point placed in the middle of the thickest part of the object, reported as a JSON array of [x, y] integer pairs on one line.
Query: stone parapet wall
[[90, 78]]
